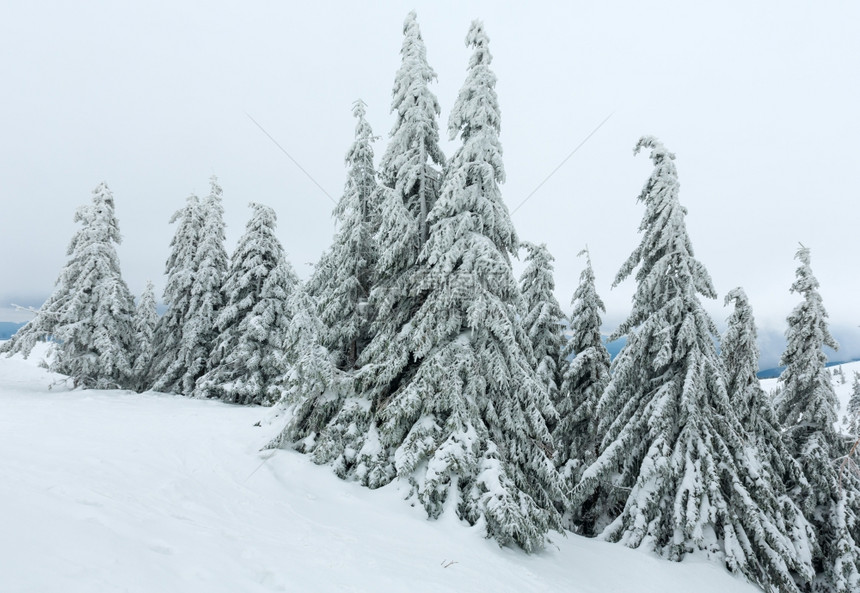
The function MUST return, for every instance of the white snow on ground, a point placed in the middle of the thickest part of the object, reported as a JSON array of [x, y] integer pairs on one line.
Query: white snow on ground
[[104, 491]]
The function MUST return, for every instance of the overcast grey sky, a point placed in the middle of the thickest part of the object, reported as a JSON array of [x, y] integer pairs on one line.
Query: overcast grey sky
[[758, 100]]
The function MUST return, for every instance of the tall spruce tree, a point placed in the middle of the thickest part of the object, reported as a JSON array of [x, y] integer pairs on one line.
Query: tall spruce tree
[[585, 375], [671, 457], [210, 268], [462, 414], [409, 183], [344, 277], [90, 314], [406, 166], [145, 322], [806, 407], [248, 362], [542, 315], [196, 270], [169, 360]]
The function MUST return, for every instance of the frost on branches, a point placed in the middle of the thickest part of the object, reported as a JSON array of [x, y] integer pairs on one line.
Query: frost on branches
[[585, 374], [461, 413], [90, 314], [542, 319], [248, 361], [145, 322], [409, 185], [195, 271], [167, 364], [341, 283], [312, 389], [806, 406], [672, 458]]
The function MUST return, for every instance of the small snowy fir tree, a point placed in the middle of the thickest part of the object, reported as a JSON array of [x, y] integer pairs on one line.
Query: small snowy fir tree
[[201, 266], [585, 374], [90, 315], [672, 458], [312, 388], [342, 281], [778, 470], [542, 317], [248, 362], [167, 366], [462, 415], [145, 322], [806, 407], [853, 410]]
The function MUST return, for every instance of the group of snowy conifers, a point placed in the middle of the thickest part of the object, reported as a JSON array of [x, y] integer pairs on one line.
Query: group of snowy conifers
[[414, 354]]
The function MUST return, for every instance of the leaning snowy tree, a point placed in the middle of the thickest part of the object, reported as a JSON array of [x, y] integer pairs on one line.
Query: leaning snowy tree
[[249, 362], [585, 374], [90, 314], [672, 458], [409, 185], [542, 315], [342, 282], [462, 415], [806, 406]]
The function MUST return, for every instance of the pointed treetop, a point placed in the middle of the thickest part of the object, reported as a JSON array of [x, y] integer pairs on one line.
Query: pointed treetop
[[668, 268], [359, 108], [477, 38], [477, 106], [587, 255]]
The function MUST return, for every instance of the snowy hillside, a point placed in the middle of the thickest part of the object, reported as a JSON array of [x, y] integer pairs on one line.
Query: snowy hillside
[[113, 491], [843, 390]]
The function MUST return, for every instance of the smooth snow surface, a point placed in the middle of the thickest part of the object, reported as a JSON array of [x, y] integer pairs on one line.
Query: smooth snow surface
[[113, 491]]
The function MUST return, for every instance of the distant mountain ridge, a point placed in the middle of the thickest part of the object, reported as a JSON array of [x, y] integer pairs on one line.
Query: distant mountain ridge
[[8, 329]]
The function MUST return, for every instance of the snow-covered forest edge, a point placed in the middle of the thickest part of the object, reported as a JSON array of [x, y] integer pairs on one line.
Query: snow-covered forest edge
[[415, 362]]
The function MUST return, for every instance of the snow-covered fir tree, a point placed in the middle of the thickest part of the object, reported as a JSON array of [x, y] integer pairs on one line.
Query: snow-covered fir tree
[[313, 388], [410, 174], [168, 362], [248, 362], [90, 314], [585, 374], [210, 267], [461, 412], [196, 270], [806, 406], [778, 469], [739, 352], [145, 322], [406, 166], [341, 283], [853, 409], [672, 459], [409, 184], [542, 315]]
